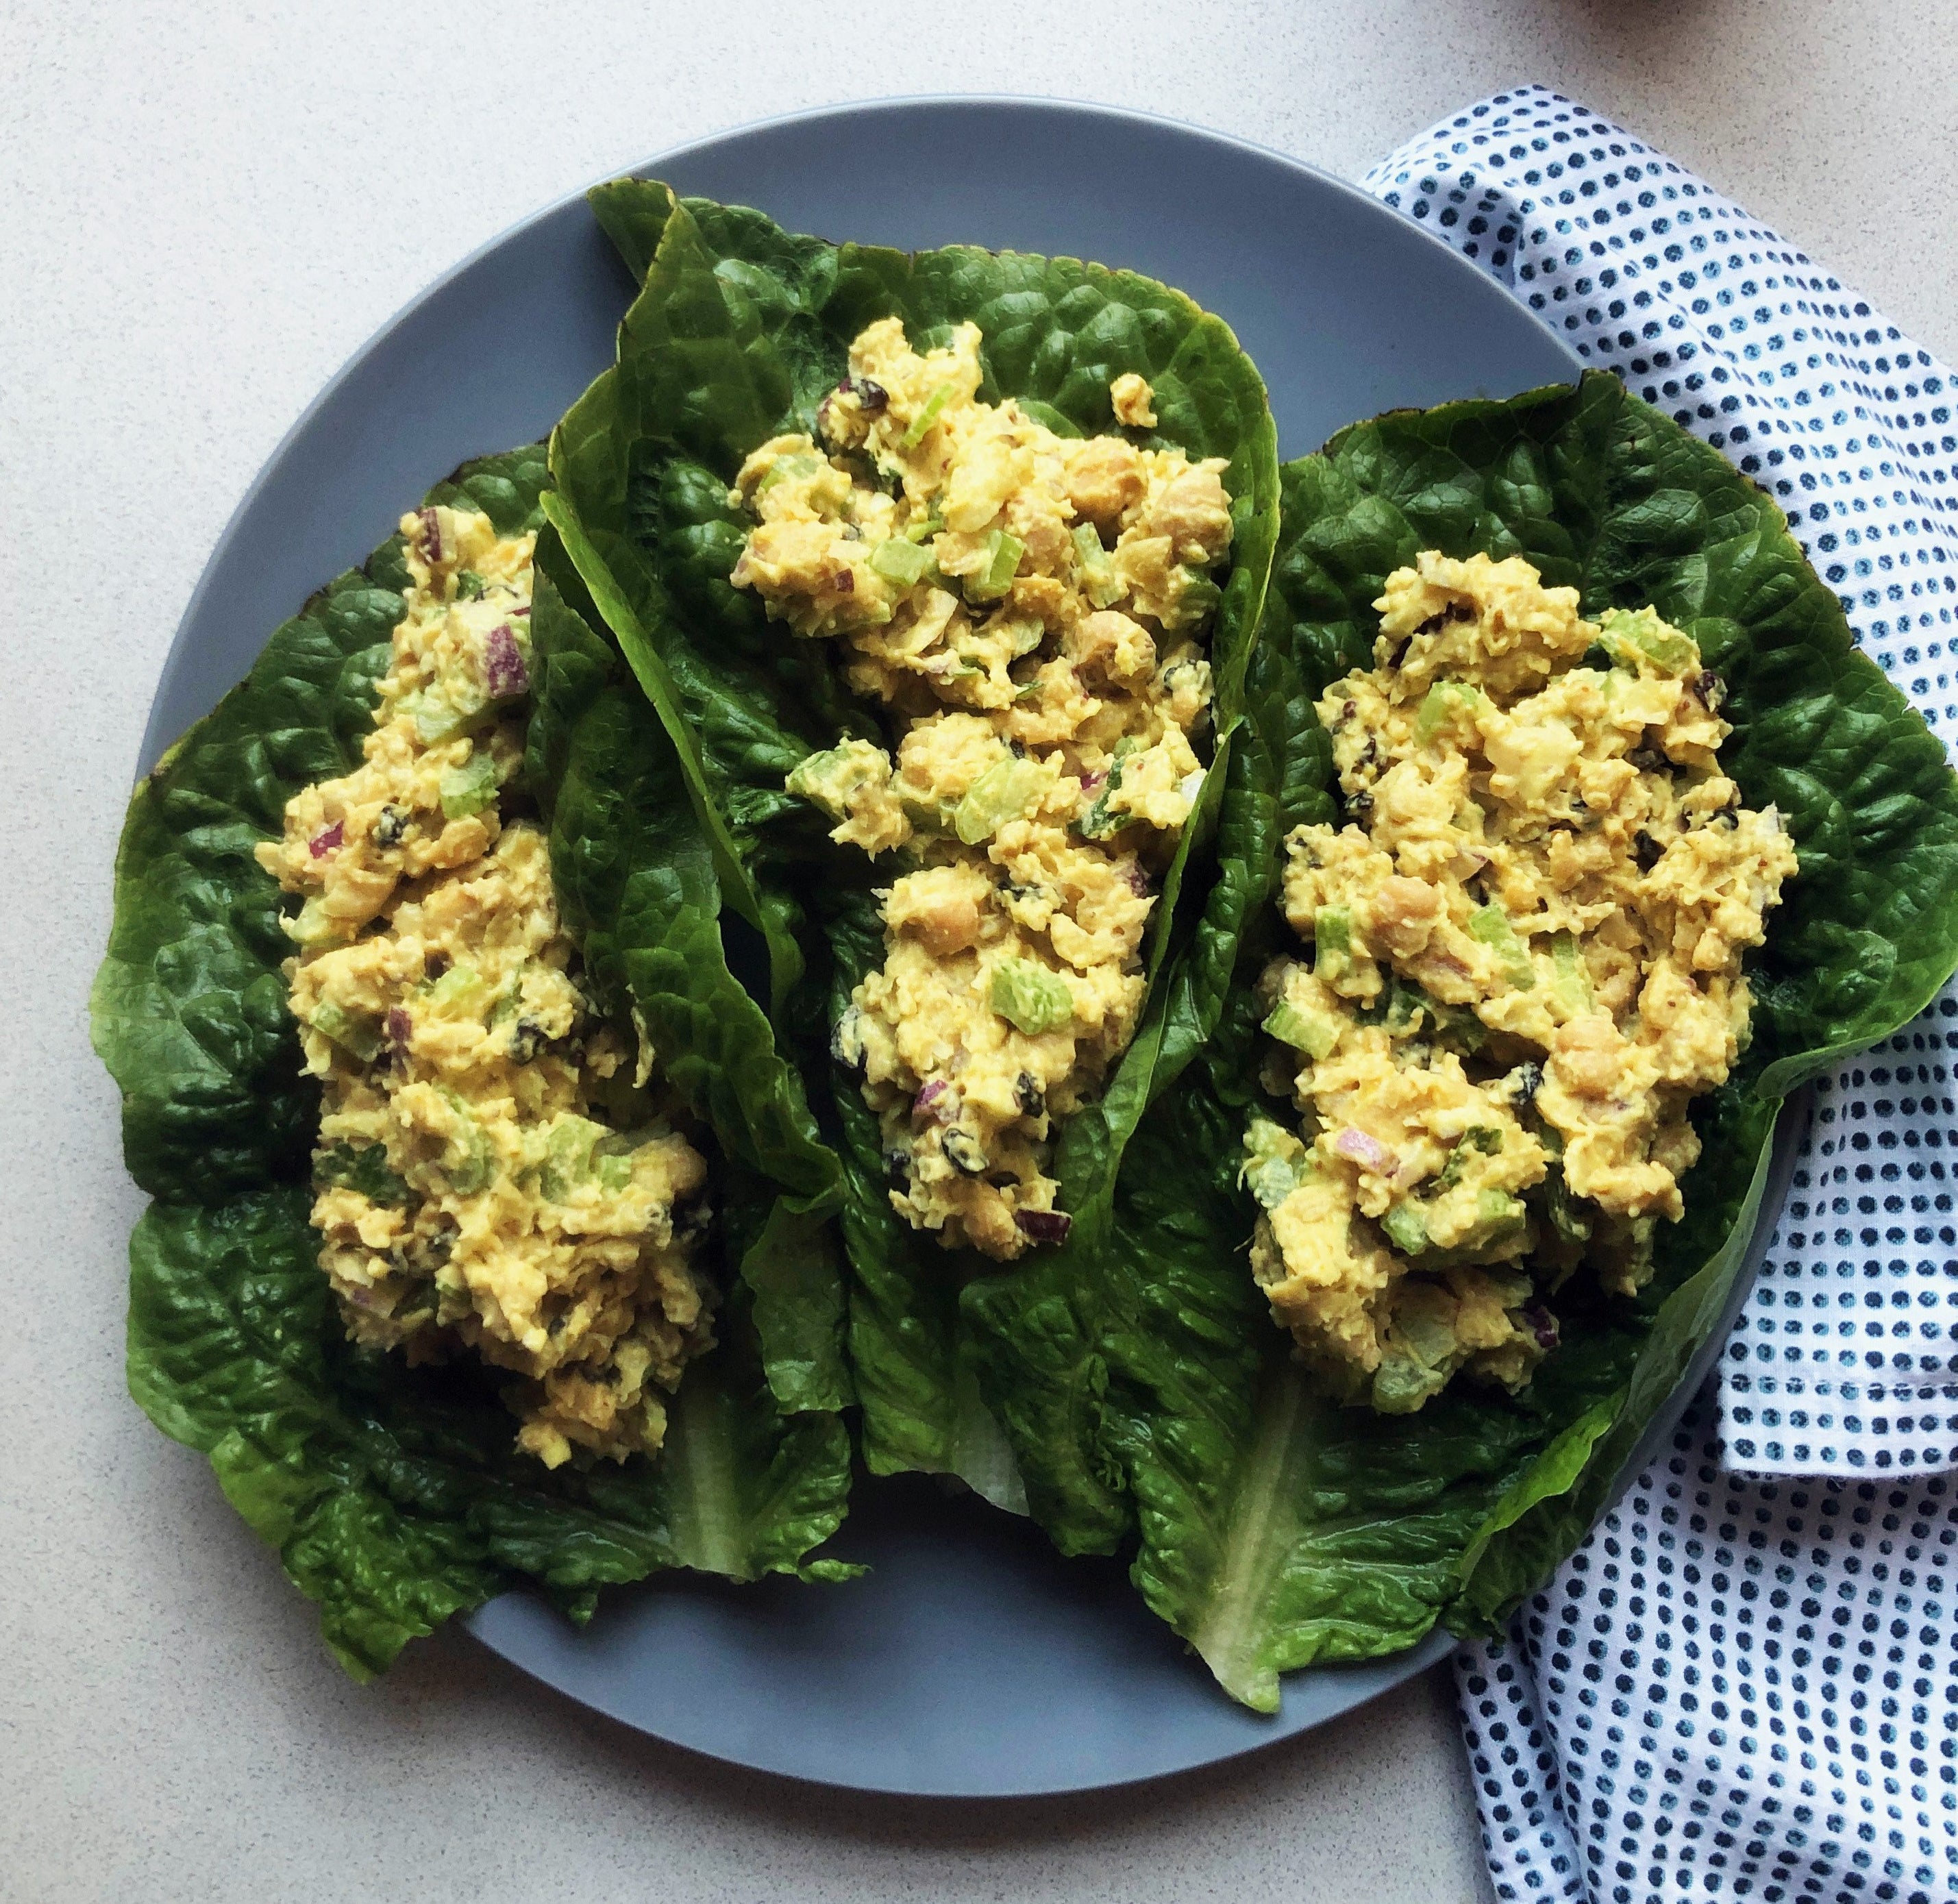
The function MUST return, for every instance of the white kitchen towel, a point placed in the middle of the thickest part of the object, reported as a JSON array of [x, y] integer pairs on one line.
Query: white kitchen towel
[[1745, 1685]]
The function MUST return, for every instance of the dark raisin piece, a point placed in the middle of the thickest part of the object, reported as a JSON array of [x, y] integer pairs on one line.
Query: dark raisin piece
[[393, 823], [1543, 1323], [1650, 760], [1044, 1226], [963, 1152], [898, 1169], [1708, 689], [1646, 851], [875, 398], [1524, 1082], [1028, 1095]]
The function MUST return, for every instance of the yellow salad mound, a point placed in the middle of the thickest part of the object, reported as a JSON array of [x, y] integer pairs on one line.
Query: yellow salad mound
[[493, 1173], [1032, 610], [1524, 963]]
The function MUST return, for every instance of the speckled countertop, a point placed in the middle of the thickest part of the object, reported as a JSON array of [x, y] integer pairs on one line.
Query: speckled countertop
[[207, 209]]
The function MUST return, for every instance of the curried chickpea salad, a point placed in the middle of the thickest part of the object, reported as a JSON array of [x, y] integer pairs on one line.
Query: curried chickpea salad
[[498, 1172], [1524, 964], [1032, 612]]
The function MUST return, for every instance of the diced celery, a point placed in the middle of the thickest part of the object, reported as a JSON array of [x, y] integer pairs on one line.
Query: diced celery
[[1276, 1162], [1406, 1228], [1307, 1032], [1442, 703], [1573, 985], [1002, 560], [901, 560], [1496, 1210], [615, 1172], [460, 992], [1332, 942], [1491, 924], [797, 464], [1629, 634], [568, 1159], [1004, 791], [1099, 580], [1030, 997], [924, 529], [1195, 599], [467, 1160], [828, 779], [921, 423], [1401, 1384], [469, 788], [354, 1032]]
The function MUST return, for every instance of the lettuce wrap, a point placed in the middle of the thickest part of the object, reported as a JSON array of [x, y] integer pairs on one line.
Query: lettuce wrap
[[394, 1495], [1271, 1528], [739, 333]]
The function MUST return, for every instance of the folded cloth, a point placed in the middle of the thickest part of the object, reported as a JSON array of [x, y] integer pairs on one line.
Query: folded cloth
[[1742, 1686]]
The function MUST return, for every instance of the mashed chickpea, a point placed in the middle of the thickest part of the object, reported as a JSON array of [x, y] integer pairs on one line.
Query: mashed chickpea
[[1031, 610], [1525, 963]]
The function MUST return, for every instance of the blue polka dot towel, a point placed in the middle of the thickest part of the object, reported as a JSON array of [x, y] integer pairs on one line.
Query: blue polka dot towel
[[1745, 1683]]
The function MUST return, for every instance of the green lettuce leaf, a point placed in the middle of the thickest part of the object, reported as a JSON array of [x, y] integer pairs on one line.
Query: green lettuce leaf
[[1272, 1528], [739, 331], [395, 1496]]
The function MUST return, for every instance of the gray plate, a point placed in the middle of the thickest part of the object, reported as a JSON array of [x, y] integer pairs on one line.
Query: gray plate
[[972, 1662]]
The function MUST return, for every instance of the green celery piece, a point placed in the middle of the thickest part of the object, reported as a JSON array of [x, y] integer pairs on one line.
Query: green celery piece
[[901, 560], [568, 1159], [469, 788], [1332, 943], [1276, 1162], [1310, 1032], [1491, 924], [1003, 561], [1406, 1228], [462, 991], [1573, 982], [1440, 704], [1004, 791], [1030, 997], [1626, 635], [352, 1031], [921, 424]]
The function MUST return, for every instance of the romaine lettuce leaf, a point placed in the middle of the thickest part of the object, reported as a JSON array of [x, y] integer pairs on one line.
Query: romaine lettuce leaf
[[1274, 1529], [739, 332], [395, 1495]]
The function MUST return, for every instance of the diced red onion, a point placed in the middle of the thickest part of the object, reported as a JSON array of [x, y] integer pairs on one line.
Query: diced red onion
[[431, 537], [1138, 880], [846, 582], [323, 842], [503, 668], [934, 1101], [1367, 1152], [1044, 1226], [401, 1028], [520, 612], [1090, 781], [1543, 1325]]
